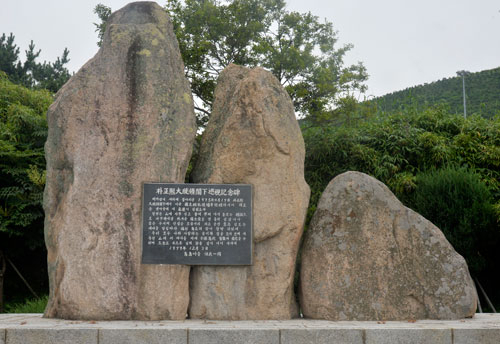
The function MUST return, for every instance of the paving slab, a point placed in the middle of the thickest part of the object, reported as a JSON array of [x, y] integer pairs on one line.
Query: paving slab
[[52, 336], [407, 336], [2, 336], [476, 336], [143, 336], [232, 336], [322, 336]]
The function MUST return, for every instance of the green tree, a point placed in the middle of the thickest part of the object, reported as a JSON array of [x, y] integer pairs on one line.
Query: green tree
[[296, 47], [30, 73], [23, 131], [25, 94], [9, 54]]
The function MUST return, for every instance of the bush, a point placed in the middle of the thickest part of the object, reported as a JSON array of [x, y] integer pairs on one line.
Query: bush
[[460, 204], [23, 130]]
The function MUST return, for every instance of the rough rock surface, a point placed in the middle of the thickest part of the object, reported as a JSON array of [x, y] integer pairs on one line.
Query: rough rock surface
[[368, 257], [253, 138], [125, 118]]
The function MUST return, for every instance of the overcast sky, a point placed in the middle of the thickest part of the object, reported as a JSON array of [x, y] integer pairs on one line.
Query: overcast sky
[[401, 42]]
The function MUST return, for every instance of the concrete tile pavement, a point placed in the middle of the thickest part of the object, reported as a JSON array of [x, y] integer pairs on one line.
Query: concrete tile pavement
[[32, 328]]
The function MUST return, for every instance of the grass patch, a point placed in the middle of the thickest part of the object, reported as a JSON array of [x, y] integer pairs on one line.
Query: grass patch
[[28, 306]]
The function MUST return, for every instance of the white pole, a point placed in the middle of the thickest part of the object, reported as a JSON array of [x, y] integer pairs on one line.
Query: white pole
[[465, 105], [463, 73]]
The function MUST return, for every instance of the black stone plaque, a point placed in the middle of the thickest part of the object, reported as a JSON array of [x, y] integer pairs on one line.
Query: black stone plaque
[[197, 224]]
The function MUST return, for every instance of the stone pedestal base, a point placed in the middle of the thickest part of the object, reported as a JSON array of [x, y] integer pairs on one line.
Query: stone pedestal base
[[32, 328]]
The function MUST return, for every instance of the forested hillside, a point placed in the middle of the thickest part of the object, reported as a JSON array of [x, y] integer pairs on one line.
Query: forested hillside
[[482, 94]]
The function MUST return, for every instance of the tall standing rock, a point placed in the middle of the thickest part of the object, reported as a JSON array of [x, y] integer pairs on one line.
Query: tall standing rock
[[125, 118], [368, 257], [253, 138]]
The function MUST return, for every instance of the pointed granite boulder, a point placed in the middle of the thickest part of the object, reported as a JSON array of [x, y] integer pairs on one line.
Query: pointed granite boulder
[[125, 118], [253, 138], [368, 257]]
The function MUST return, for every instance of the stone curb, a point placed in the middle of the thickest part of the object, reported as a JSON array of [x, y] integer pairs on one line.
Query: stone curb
[[32, 328]]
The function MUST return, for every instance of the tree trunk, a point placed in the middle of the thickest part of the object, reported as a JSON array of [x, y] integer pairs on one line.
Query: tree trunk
[[3, 266]]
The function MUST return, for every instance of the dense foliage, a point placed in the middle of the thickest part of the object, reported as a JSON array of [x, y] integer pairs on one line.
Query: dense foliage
[[460, 204], [30, 73], [298, 48], [23, 130], [482, 94], [25, 95], [394, 148]]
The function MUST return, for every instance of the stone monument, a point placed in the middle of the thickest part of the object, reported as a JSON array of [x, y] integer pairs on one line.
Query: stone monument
[[368, 257], [121, 131], [253, 138], [125, 118]]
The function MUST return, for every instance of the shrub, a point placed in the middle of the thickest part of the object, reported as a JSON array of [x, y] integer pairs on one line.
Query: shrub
[[23, 130], [460, 204]]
